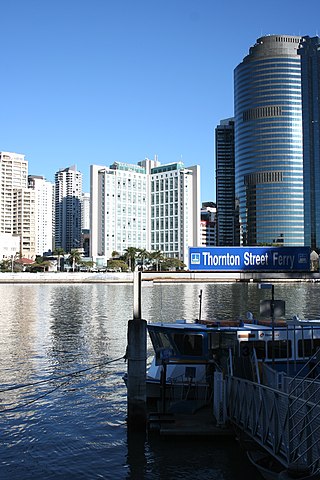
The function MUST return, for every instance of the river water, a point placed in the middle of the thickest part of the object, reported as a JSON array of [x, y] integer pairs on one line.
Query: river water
[[61, 348]]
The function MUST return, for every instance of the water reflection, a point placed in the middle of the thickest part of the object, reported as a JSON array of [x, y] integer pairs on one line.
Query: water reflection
[[79, 430]]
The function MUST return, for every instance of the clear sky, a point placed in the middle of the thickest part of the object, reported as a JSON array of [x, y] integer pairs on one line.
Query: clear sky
[[96, 81]]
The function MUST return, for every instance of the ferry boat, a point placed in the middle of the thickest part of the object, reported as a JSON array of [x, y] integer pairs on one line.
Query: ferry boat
[[187, 354]]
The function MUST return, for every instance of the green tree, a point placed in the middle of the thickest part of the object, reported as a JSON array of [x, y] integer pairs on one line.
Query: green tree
[[74, 258], [130, 255], [117, 265], [40, 265], [6, 265], [172, 264], [143, 256], [156, 257]]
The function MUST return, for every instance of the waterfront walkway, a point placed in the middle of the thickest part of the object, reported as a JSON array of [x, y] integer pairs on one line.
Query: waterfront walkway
[[163, 277]]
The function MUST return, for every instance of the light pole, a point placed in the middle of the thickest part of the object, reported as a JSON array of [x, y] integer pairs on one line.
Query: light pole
[[268, 286]]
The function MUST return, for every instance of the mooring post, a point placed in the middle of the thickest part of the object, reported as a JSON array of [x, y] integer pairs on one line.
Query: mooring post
[[137, 361]]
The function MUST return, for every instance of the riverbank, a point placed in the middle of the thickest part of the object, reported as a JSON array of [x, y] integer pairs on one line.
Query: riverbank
[[158, 277]]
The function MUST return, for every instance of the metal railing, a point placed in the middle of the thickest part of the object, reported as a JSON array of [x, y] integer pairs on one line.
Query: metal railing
[[285, 423]]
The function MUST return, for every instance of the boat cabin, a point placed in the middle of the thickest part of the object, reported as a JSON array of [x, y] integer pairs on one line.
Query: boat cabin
[[183, 342]]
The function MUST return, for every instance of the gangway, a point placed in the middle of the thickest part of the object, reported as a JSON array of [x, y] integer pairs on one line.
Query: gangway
[[283, 420]]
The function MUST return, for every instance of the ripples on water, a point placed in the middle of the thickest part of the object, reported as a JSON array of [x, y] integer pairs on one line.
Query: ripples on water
[[74, 427]]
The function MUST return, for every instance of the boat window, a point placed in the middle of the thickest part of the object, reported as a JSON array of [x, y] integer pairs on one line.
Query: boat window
[[246, 348], [164, 341], [228, 340], [282, 349], [159, 340], [308, 347], [186, 344]]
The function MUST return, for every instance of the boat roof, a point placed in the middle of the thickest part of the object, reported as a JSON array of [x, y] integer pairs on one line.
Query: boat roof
[[234, 326]]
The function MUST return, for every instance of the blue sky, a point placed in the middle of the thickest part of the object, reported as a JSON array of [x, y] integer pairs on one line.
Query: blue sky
[[96, 81]]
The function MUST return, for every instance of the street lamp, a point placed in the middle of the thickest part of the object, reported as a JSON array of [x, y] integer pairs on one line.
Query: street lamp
[[270, 286]]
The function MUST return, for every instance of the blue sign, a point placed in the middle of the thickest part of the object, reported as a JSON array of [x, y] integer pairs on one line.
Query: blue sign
[[249, 258]]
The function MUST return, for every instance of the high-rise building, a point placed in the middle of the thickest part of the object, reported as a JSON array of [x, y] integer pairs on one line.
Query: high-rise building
[[268, 143], [68, 192], [24, 215], [208, 230], [118, 209], [310, 76], [17, 208], [145, 206], [175, 209], [44, 208], [225, 184], [13, 175], [85, 211], [85, 224]]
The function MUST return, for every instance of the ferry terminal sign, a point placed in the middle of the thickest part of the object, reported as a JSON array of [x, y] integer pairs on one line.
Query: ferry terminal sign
[[249, 258]]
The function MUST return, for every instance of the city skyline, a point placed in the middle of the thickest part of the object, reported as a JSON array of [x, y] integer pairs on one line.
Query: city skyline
[[117, 81]]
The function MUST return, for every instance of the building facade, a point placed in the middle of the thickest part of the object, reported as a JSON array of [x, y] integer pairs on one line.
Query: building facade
[[85, 211], [24, 225], [44, 210], [227, 231], [13, 175], [208, 230], [68, 192], [310, 75], [17, 204], [145, 206], [268, 143], [118, 209], [175, 209], [9, 247]]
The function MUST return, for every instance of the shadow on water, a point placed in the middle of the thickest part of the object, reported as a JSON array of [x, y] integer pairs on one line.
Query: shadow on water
[[156, 458]]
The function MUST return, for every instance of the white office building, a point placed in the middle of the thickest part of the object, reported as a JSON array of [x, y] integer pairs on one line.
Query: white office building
[[85, 211], [175, 209], [145, 206], [44, 209], [118, 209]]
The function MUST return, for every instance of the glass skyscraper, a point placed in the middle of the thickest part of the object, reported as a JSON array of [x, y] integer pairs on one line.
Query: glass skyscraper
[[268, 143], [225, 189], [310, 75]]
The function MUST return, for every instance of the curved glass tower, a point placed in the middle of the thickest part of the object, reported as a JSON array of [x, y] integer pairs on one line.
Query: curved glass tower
[[268, 143]]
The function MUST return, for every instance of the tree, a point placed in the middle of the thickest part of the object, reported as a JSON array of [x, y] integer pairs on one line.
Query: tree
[[6, 265], [74, 258], [115, 254], [59, 252], [172, 264], [156, 257], [117, 265], [130, 255], [143, 254], [40, 265]]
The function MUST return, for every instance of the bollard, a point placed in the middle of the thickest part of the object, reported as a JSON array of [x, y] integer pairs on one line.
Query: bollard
[[137, 362]]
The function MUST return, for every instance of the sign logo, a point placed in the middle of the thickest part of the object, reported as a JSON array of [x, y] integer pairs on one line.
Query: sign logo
[[195, 258], [302, 259]]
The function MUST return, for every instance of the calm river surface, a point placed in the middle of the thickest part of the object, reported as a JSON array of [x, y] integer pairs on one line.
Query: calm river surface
[[74, 427]]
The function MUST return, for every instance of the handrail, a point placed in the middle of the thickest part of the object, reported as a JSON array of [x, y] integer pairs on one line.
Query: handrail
[[265, 414]]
